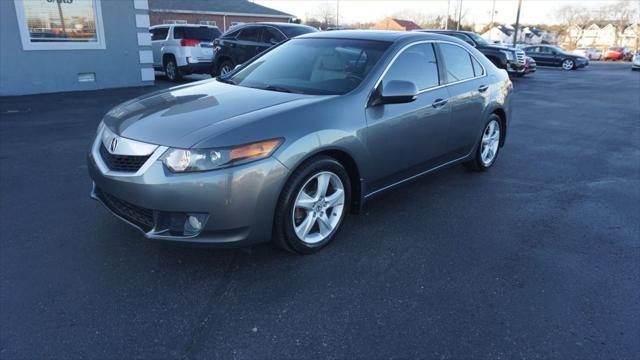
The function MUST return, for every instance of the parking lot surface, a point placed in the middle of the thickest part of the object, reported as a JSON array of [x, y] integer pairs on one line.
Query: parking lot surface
[[537, 258]]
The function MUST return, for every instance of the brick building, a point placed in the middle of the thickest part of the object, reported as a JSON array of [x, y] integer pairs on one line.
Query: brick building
[[395, 24], [222, 13]]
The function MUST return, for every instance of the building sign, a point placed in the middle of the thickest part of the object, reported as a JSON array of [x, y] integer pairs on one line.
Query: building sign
[[60, 24]]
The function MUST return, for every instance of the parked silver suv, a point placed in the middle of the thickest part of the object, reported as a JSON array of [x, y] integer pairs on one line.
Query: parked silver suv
[[182, 49]]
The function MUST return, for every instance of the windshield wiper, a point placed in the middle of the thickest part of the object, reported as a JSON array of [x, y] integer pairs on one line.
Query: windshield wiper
[[277, 88]]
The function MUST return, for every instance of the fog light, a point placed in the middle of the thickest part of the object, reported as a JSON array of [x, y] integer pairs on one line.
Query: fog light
[[194, 223]]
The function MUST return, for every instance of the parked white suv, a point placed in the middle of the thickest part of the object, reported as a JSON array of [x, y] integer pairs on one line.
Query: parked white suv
[[183, 49]]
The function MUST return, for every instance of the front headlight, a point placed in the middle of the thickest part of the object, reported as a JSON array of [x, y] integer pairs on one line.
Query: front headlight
[[508, 54], [188, 160]]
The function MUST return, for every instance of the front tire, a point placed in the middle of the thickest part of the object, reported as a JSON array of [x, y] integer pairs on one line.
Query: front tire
[[568, 64], [489, 145], [225, 68], [312, 206]]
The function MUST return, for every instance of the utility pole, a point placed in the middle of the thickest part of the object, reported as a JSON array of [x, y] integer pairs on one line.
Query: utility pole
[[493, 12], [459, 15], [337, 13], [446, 21], [515, 32]]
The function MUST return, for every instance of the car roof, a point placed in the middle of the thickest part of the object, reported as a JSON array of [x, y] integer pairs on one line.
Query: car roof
[[377, 35], [274, 24], [182, 25]]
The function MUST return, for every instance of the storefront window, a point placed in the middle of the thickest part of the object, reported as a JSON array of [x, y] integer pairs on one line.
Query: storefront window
[[60, 24]]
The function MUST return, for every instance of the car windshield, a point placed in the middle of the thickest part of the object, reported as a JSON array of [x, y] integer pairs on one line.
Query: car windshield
[[478, 39], [311, 66]]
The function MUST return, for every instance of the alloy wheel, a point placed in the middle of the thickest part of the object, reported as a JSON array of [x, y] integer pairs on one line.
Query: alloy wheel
[[225, 69], [567, 64], [318, 207], [171, 70], [490, 142]]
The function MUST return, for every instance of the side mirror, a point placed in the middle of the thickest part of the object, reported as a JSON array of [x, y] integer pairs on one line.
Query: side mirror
[[396, 92]]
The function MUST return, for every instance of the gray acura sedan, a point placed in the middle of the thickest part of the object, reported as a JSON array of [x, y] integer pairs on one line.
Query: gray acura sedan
[[287, 144]]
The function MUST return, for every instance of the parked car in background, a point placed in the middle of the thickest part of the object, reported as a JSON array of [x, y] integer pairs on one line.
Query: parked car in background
[[503, 57], [636, 61], [245, 41], [549, 55], [285, 146], [588, 52], [618, 53], [183, 49]]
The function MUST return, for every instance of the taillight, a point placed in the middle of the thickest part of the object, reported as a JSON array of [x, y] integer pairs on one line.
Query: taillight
[[189, 42]]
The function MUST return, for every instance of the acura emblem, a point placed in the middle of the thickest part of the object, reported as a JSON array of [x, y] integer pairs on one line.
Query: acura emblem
[[113, 145]]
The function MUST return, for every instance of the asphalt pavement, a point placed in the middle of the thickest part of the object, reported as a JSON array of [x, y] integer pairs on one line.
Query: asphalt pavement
[[537, 258]]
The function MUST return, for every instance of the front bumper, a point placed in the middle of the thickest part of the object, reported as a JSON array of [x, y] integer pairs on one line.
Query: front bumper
[[514, 67], [237, 203]]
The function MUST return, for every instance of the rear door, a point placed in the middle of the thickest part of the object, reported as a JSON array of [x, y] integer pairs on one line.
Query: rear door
[[405, 139], [158, 38], [468, 89]]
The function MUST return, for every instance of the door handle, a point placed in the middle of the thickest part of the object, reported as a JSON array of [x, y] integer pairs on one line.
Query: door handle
[[483, 88], [439, 103]]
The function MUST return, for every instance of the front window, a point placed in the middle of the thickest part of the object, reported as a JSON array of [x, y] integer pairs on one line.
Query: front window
[[417, 64], [312, 66], [60, 24]]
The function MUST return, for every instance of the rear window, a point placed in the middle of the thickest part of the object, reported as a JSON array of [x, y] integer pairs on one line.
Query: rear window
[[294, 31], [199, 33]]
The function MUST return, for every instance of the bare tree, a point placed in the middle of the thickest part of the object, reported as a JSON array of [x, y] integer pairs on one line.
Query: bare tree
[[325, 14], [621, 15], [575, 17]]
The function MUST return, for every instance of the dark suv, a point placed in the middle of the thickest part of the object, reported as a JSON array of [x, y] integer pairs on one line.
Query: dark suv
[[512, 60], [243, 42]]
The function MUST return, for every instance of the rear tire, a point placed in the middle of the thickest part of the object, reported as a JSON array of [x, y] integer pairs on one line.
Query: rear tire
[[171, 69], [488, 146], [306, 201]]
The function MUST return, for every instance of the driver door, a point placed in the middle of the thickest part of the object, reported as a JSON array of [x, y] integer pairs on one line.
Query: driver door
[[406, 139]]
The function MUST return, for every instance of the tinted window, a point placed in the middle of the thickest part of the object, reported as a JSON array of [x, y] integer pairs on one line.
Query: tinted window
[[251, 33], [272, 36], [294, 31], [546, 50], [477, 68], [231, 34], [199, 33], [159, 34], [312, 66], [416, 64], [462, 37], [457, 61]]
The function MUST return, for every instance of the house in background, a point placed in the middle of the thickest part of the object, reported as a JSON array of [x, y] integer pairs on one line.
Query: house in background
[[499, 33], [395, 24], [54, 46], [602, 35], [221, 13]]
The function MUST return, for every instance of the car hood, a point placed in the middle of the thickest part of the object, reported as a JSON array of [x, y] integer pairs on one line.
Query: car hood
[[177, 117]]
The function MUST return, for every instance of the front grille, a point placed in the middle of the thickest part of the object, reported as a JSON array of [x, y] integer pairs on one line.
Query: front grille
[[137, 215], [124, 163], [520, 57]]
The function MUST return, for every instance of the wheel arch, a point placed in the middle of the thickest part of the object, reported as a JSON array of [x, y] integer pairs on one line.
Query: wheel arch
[[346, 159]]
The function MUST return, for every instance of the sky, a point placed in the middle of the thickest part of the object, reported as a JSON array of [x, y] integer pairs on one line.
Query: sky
[[477, 11]]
